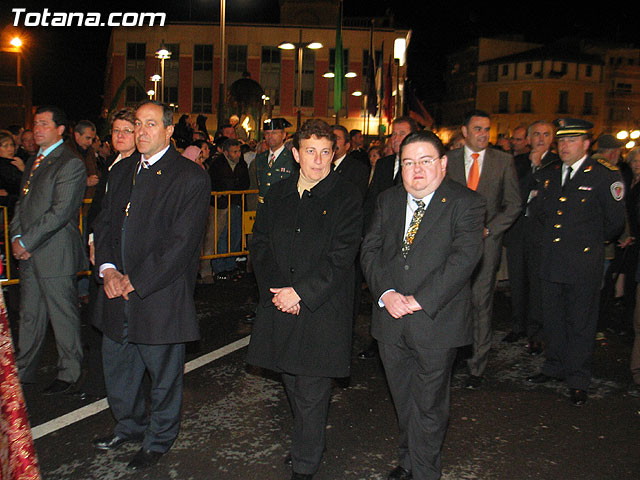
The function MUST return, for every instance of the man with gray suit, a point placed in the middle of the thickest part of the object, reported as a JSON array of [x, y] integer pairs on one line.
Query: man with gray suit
[[46, 239], [492, 174], [418, 267]]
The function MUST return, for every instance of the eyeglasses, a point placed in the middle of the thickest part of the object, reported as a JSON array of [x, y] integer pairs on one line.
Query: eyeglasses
[[126, 131], [419, 163]]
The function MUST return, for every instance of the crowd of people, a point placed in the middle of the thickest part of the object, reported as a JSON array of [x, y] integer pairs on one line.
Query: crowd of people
[[422, 225]]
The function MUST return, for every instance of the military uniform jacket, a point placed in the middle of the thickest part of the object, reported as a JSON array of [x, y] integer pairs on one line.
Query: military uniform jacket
[[310, 244], [576, 222], [266, 176], [153, 232]]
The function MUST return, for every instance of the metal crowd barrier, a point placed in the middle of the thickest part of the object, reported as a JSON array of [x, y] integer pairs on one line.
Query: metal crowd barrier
[[248, 204]]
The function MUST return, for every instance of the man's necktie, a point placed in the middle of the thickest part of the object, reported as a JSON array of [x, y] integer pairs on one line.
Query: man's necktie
[[34, 167], [567, 178], [474, 172], [413, 227], [272, 159]]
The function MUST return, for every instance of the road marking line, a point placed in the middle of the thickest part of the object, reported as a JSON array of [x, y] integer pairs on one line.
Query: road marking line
[[102, 404]]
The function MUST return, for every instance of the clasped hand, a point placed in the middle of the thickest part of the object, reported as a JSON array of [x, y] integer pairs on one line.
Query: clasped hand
[[286, 300], [399, 305], [19, 252], [116, 284]]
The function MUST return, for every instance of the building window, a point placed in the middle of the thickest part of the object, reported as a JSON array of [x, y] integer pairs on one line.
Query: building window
[[493, 73], [172, 74], [528, 68], [526, 101], [588, 104], [236, 62], [503, 102], [308, 72], [563, 101], [270, 73], [135, 67], [203, 58], [202, 78], [202, 100], [589, 70], [505, 70]]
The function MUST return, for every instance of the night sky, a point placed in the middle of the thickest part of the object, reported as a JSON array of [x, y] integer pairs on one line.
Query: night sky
[[69, 63]]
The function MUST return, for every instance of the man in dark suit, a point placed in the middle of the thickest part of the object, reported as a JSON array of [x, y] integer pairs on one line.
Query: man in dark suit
[[491, 173], [579, 206], [346, 165], [148, 237], [46, 239], [418, 257], [522, 244], [386, 174]]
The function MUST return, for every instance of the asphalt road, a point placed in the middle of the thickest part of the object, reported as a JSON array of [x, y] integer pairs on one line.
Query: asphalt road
[[236, 420]]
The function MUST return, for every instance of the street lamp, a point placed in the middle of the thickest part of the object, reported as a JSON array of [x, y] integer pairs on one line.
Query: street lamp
[[155, 79], [16, 43], [162, 54], [151, 94], [299, 46], [400, 55], [632, 136]]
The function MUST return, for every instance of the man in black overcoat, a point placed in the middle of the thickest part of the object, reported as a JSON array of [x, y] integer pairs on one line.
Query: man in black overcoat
[[148, 238]]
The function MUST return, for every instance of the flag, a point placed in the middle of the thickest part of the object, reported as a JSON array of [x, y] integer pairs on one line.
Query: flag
[[388, 97], [415, 108], [372, 94], [338, 66]]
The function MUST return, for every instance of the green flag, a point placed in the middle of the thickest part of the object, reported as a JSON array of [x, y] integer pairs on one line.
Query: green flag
[[338, 66]]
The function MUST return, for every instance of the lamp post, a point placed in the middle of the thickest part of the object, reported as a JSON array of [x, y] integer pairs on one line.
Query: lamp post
[[299, 46], [223, 14], [155, 79], [16, 43], [162, 54], [399, 54], [632, 136]]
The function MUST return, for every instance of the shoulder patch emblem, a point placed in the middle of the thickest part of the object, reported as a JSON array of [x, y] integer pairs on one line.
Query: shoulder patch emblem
[[607, 164], [617, 190]]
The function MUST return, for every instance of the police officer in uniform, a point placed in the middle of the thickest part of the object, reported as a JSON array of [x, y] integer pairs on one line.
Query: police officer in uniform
[[578, 206], [271, 166], [277, 163]]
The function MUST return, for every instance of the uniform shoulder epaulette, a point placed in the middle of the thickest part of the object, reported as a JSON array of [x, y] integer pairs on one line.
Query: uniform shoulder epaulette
[[606, 164], [551, 165]]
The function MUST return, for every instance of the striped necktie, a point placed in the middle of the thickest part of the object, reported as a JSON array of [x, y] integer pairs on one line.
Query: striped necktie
[[34, 167], [413, 227], [272, 159]]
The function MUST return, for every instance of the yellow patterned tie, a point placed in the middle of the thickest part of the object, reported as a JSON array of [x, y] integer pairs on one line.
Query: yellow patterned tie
[[34, 167], [413, 228], [272, 159]]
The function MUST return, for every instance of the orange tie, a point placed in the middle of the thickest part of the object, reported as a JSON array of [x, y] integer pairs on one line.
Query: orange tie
[[474, 173]]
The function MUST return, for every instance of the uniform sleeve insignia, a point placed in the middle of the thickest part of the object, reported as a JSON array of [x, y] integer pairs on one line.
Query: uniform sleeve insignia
[[617, 190], [606, 164]]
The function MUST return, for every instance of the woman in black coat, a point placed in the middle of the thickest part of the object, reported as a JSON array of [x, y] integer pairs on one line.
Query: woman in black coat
[[305, 240]]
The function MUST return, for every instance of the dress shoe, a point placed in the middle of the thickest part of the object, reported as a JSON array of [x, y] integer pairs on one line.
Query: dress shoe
[[534, 348], [513, 337], [301, 476], [578, 397], [634, 390], [399, 473], [112, 442], [541, 378], [369, 353], [144, 459], [474, 382], [58, 387]]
